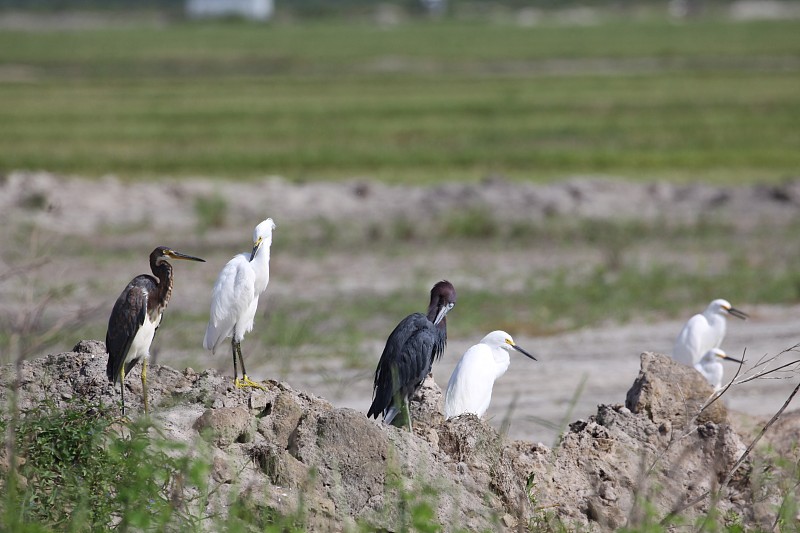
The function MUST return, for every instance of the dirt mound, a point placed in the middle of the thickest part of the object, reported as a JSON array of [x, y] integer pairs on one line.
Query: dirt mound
[[283, 448]]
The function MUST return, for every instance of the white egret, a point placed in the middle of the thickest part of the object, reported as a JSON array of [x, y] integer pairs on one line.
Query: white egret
[[470, 387], [703, 332], [135, 319], [711, 368], [234, 299], [412, 347]]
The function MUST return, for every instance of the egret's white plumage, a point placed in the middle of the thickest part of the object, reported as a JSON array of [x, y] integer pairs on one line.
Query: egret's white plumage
[[470, 387], [710, 366], [234, 299], [704, 332]]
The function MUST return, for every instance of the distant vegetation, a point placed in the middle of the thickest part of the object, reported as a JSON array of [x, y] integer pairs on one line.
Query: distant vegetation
[[420, 101], [338, 8]]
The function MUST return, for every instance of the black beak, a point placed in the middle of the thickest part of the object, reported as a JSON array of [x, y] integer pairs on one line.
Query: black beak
[[178, 255], [255, 250], [738, 314], [732, 359], [523, 352]]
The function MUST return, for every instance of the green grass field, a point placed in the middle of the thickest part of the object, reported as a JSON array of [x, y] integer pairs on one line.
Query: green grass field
[[421, 102]]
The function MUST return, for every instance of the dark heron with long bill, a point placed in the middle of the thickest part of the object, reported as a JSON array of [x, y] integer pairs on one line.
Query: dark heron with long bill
[[136, 317]]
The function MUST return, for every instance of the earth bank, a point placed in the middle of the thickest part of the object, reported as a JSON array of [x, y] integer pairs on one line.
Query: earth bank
[[281, 448]]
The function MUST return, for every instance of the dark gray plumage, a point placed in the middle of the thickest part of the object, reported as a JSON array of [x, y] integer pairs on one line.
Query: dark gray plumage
[[413, 346]]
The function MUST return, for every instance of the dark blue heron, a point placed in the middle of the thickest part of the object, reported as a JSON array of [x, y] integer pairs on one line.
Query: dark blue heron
[[413, 346], [136, 317]]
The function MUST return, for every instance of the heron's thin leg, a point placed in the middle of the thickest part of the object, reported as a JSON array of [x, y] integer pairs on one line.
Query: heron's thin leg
[[144, 385], [408, 415], [235, 370], [122, 386], [241, 359], [246, 381]]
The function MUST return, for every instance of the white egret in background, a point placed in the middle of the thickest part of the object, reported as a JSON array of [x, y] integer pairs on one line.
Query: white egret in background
[[234, 299], [703, 332], [470, 386], [711, 367], [135, 319], [410, 351]]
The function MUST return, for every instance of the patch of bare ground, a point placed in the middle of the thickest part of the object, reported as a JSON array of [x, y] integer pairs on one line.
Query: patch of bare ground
[[281, 448], [95, 235]]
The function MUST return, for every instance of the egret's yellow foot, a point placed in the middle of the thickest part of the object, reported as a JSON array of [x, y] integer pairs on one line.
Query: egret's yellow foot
[[247, 382]]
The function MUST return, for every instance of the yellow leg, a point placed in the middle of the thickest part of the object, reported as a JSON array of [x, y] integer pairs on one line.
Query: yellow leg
[[122, 386], [247, 382], [144, 385]]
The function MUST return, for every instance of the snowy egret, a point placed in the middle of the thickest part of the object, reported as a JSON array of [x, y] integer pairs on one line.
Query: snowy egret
[[703, 332], [234, 299], [711, 368], [136, 317], [413, 346], [470, 387]]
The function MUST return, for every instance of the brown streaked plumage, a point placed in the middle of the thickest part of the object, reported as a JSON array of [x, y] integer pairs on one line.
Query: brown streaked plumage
[[136, 317]]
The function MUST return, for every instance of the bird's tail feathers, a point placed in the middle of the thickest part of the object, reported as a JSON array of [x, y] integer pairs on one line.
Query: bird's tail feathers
[[130, 364], [390, 414], [212, 339]]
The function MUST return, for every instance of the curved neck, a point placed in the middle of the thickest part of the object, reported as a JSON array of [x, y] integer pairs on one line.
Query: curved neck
[[164, 274], [261, 255], [433, 311], [717, 322], [502, 360]]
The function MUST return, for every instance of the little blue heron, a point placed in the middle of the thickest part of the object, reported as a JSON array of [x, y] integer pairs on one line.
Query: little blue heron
[[413, 346], [234, 299], [711, 368], [470, 387], [703, 332], [136, 317]]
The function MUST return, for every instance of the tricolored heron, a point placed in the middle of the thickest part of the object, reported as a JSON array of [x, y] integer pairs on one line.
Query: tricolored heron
[[136, 317], [470, 387], [413, 346], [711, 368], [703, 332], [234, 299]]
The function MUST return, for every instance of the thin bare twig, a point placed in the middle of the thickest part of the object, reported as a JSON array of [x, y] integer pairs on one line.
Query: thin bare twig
[[738, 463], [768, 371], [691, 426]]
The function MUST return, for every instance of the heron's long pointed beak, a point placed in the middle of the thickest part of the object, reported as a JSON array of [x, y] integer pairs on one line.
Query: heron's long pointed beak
[[731, 359], [256, 246], [442, 313], [177, 255], [738, 314], [523, 352]]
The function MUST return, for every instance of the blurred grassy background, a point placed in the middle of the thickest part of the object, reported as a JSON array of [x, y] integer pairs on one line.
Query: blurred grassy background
[[419, 102]]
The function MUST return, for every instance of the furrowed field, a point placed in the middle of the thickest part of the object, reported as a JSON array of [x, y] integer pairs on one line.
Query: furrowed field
[[419, 102]]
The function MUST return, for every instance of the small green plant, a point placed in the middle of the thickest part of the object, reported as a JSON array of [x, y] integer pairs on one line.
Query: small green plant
[[246, 515], [35, 201], [83, 469], [404, 229], [211, 212], [410, 504], [471, 224]]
